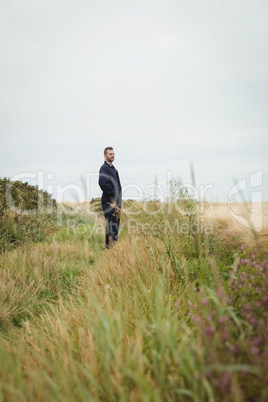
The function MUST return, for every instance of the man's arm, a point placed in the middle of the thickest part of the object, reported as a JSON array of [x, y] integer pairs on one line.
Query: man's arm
[[105, 182]]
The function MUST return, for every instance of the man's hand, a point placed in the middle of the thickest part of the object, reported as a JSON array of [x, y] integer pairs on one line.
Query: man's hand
[[116, 207], [112, 202]]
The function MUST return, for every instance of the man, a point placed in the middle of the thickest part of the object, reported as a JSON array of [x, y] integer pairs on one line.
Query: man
[[111, 199]]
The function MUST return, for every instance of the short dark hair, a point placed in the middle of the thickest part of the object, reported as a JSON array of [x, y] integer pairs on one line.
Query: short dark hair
[[108, 149]]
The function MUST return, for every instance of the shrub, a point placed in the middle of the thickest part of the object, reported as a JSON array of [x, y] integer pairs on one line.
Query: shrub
[[27, 214], [23, 197]]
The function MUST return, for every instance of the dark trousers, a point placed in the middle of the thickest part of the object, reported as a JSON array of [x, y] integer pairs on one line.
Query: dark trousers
[[112, 228]]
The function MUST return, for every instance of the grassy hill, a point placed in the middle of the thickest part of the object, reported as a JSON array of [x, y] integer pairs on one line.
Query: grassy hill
[[176, 311]]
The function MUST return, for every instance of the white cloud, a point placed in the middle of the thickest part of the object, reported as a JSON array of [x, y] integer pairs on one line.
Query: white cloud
[[164, 82]]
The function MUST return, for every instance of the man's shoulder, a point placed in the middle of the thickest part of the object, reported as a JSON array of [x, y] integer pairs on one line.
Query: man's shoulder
[[104, 166]]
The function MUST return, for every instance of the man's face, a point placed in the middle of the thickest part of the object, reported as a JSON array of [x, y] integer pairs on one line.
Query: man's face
[[109, 157]]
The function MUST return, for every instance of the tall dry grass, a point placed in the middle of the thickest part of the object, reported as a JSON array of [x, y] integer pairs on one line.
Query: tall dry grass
[[248, 221], [161, 316]]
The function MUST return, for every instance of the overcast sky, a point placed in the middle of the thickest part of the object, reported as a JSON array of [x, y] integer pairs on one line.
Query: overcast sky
[[165, 82]]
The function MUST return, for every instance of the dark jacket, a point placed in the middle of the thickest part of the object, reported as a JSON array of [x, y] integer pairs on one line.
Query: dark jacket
[[110, 184]]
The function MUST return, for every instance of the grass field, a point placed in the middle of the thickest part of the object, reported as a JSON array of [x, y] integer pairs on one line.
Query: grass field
[[176, 311]]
